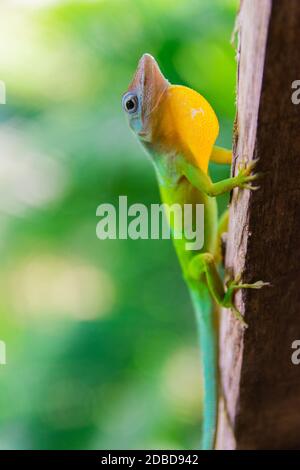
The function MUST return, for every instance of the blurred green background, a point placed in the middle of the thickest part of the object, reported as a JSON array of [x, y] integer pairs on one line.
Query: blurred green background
[[102, 349]]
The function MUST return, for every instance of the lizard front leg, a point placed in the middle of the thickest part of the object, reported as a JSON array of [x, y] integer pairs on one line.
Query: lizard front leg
[[203, 183]]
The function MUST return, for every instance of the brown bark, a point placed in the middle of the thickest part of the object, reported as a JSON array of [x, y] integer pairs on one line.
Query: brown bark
[[260, 383]]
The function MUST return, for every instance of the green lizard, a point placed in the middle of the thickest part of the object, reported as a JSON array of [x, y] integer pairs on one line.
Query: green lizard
[[178, 128]]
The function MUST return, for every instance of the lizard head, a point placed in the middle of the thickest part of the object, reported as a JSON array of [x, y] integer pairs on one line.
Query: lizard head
[[169, 119], [143, 96]]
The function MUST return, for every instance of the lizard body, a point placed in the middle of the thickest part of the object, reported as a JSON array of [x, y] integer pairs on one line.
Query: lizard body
[[178, 128]]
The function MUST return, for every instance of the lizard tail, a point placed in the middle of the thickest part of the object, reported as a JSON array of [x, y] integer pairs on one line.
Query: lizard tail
[[209, 353]]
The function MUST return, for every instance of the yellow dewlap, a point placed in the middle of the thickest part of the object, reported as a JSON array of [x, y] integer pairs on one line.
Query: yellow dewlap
[[188, 123]]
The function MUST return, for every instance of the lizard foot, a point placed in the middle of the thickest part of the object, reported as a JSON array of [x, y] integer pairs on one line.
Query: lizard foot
[[234, 285], [245, 177]]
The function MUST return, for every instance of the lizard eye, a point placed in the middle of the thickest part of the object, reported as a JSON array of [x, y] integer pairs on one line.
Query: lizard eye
[[130, 103]]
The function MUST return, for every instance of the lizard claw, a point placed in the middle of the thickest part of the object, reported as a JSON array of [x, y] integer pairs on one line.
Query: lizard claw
[[245, 176], [250, 166], [257, 285], [250, 187]]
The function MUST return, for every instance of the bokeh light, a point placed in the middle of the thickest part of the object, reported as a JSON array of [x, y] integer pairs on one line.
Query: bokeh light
[[102, 348]]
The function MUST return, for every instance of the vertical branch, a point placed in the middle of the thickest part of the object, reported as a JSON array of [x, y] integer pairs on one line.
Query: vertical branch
[[260, 384]]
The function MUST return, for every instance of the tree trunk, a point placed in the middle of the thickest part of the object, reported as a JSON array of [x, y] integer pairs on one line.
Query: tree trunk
[[260, 383]]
